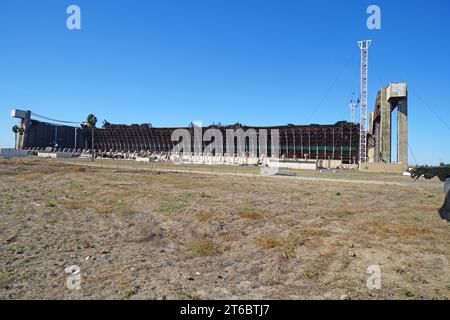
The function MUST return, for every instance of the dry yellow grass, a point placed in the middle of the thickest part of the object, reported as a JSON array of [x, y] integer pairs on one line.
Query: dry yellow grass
[[33, 175], [204, 216], [399, 229], [269, 242], [79, 169], [203, 247], [251, 214], [74, 205], [105, 209]]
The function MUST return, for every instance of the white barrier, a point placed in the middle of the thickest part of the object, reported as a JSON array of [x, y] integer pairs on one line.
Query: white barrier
[[301, 165], [54, 155], [142, 159], [242, 160], [13, 153]]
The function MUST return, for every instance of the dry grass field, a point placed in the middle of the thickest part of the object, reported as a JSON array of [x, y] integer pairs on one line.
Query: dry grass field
[[152, 234]]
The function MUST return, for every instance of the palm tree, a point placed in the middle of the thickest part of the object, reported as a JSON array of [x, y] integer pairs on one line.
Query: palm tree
[[91, 121], [15, 129], [22, 131]]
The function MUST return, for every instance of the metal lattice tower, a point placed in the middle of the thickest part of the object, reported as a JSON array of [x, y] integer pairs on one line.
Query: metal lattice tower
[[364, 47], [352, 105]]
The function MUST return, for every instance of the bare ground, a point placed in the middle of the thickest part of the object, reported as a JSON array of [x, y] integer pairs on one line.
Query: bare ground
[[161, 235]]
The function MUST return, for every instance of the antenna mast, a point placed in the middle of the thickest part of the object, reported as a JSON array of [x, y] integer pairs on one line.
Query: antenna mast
[[364, 48]]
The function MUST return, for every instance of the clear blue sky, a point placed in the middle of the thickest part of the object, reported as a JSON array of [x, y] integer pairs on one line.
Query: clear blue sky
[[258, 62]]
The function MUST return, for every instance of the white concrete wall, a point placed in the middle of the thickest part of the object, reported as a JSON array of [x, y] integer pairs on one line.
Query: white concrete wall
[[242, 160], [189, 158], [10, 152], [54, 155], [329, 164], [303, 165]]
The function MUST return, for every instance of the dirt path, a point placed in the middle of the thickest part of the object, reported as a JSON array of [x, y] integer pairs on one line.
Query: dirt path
[[296, 177]]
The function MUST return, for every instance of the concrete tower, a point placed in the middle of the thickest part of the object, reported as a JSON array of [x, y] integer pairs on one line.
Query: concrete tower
[[25, 118], [394, 96]]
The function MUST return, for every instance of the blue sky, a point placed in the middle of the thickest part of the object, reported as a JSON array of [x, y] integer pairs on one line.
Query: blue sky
[[258, 62]]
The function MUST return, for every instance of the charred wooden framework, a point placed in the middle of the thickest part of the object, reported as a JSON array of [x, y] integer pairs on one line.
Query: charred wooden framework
[[335, 142]]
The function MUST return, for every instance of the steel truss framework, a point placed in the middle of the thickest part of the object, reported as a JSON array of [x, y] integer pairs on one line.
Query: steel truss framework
[[335, 142]]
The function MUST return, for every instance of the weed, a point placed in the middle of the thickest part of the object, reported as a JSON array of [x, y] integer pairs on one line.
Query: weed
[[184, 293], [291, 244], [50, 204], [203, 247], [4, 279], [170, 206], [73, 186], [313, 274], [407, 293], [129, 292], [16, 248], [341, 213], [400, 270]]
